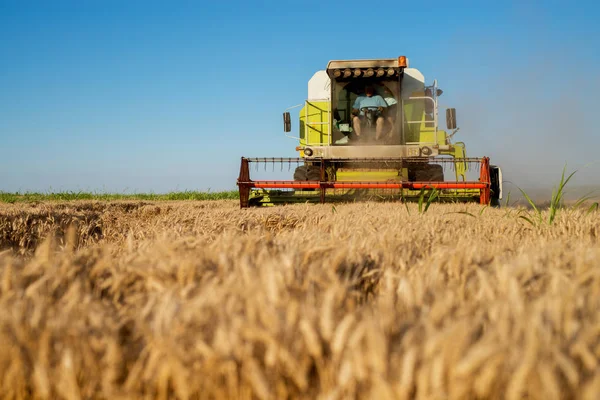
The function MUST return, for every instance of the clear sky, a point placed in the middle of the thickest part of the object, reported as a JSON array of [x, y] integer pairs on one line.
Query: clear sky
[[138, 96]]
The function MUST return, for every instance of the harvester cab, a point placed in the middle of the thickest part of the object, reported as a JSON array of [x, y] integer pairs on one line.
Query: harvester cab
[[369, 130]]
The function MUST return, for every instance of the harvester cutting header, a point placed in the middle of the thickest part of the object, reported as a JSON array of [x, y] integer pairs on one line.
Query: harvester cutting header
[[369, 130]]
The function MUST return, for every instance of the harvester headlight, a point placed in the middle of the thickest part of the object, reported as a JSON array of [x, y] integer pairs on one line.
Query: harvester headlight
[[426, 151], [308, 152]]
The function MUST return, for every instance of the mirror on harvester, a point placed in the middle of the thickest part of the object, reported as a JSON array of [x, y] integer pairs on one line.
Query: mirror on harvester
[[451, 118], [287, 122]]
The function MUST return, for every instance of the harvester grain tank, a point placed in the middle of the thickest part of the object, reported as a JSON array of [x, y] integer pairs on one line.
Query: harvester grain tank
[[369, 130]]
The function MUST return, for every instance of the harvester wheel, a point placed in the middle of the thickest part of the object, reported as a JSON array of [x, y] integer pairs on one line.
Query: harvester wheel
[[429, 173], [307, 173], [495, 186], [313, 174], [300, 173]]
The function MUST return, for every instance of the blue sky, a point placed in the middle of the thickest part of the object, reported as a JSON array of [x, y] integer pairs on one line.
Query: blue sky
[[138, 96]]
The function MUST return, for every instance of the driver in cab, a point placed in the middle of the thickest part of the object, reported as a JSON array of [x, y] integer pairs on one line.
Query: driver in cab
[[370, 101]]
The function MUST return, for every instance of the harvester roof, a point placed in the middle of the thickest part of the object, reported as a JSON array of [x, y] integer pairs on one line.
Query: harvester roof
[[388, 67]]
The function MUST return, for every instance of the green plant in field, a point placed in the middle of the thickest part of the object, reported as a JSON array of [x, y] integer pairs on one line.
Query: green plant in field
[[407, 209], [536, 218], [584, 200], [508, 206], [424, 204], [464, 213], [507, 201], [403, 199], [6, 197]]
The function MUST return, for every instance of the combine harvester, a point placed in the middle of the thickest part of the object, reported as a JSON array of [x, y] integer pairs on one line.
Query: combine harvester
[[390, 151]]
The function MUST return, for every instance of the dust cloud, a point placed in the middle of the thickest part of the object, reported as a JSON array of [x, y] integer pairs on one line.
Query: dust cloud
[[533, 118]]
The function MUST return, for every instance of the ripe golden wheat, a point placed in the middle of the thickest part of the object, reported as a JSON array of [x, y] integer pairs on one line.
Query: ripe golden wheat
[[203, 300]]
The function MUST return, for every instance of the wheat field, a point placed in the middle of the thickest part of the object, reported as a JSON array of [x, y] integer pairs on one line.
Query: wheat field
[[202, 300]]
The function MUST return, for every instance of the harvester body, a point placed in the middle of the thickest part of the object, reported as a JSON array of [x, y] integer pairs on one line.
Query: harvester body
[[397, 151]]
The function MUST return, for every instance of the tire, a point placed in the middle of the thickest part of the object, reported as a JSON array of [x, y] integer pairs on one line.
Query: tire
[[313, 174], [495, 186], [300, 173], [429, 173], [307, 173]]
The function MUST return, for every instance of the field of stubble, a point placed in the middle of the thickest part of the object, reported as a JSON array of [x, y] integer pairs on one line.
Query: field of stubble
[[204, 300]]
